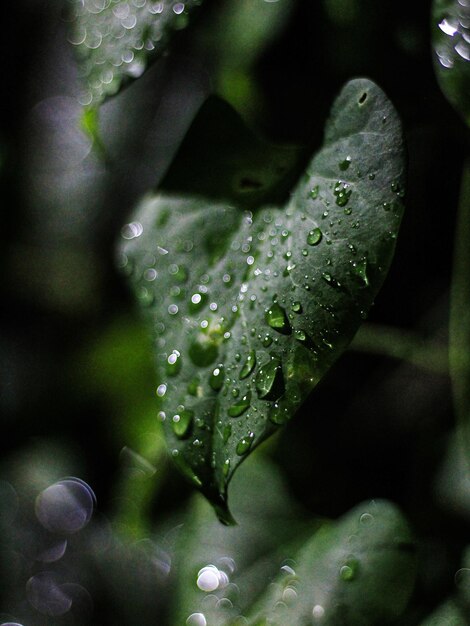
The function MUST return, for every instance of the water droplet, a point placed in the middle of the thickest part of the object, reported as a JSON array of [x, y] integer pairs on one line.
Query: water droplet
[[181, 423], [197, 301], [269, 380], [239, 407], [343, 165], [216, 379], [267, 340], [276, 318], [226, 468], [249, 365], [278, 414], [174, 363], [297, 307], [360, 270], [196, 619], [314, 193], [314, 237], [161, 390], [245, 443], [318, 612], [330, 280], [348, 571], [342, 193], [300, 335], [366, 519], [227, 432]]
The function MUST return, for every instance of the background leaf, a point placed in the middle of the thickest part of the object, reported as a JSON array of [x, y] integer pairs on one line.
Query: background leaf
[[116, 40], [238, 560], [360, 570], [250, 309], [451, 43]]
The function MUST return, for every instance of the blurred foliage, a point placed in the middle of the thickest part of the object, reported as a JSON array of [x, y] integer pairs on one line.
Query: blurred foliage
[[77, 389]]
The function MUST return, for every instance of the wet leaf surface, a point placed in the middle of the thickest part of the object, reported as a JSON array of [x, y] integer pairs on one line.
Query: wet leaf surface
[[252, 294]]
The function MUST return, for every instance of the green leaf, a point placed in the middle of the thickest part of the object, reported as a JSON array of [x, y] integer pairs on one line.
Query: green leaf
[[283, 286], [451, 44], [358, 571], [116, 40], [448, 614], [238, 560]]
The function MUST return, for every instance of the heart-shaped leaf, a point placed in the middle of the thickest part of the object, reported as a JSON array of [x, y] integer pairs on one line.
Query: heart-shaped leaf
[[250, 308], [451, 43], [359, 571], [117, 39]]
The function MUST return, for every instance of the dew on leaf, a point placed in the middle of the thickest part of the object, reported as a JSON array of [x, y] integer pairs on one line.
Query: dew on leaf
[[245, 444], [342, 192], [297, 307], [314, 237], [343, 165], [249, 365], [276, 318], [278, 414], [239, 407], [181, 423], [174, 363], [216, 379], [269, 381], [314, 192], [227, 432]]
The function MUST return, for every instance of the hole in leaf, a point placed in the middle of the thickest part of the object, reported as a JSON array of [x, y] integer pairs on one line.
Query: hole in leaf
[[363, 98]]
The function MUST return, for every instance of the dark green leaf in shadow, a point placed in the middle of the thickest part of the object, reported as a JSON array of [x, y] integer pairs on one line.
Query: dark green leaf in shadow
[[451, 44], [222, 570], [448, 614], [358, 571], [228, 270], [116, 40]]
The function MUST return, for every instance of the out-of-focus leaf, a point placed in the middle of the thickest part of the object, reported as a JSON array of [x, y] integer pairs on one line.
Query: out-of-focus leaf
[[116, 40], [451, 43], [358, 571], [249, 309], [448, 614], [459, 352], [222, 570]]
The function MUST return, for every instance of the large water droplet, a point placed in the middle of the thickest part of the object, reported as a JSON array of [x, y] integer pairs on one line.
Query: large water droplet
[[240, 406], [314, 237], [245, 443], [181, 423], [269, 380], [249, 365], [216, 379], [276, 318]]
